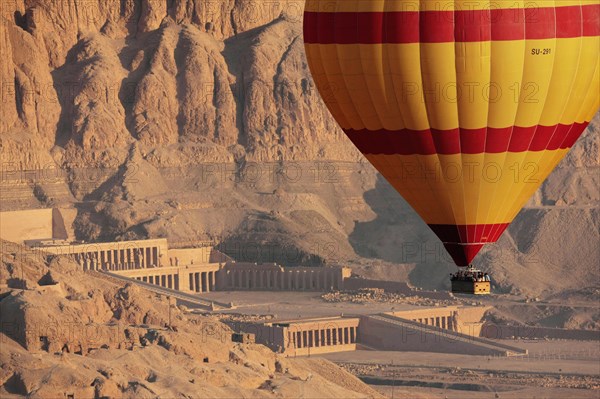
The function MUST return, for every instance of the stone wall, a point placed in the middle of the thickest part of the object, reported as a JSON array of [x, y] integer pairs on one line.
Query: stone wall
[[252, 276], [304, 337], [505, 331], [23, 226], [384, 334], [115, 256]]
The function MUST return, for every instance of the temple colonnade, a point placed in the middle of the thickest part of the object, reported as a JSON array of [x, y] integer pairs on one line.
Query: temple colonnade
[[271, 278]]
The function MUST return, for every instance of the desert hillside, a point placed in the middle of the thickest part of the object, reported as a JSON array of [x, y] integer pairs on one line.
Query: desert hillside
[[198, 120], [62, 330]]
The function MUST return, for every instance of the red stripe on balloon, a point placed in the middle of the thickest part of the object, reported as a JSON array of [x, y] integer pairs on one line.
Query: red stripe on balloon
[[569, 21], [451, 26], [465, 141], [591, 20], [574, 133], [463, 254], [540, 23], [470, 233], [542, 138]]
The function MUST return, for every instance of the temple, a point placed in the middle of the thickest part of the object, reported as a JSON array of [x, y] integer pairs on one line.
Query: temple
[[184, 273]]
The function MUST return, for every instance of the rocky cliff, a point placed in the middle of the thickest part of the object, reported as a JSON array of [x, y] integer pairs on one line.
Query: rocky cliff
[[198, 120], [84, 80]]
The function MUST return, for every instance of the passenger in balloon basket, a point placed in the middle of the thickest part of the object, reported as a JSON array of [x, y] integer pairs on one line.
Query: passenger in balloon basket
[[470, 275]]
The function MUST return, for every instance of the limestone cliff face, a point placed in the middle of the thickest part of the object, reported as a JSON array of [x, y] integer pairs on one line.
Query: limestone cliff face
[[84, 80], [132, 99]]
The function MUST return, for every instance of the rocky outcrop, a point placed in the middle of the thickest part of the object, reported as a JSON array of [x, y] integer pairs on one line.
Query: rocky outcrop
[[91, 78], [73, 334]]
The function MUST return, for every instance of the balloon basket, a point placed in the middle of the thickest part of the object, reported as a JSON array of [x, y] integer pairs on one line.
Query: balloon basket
[[473, 288], [471, 281]]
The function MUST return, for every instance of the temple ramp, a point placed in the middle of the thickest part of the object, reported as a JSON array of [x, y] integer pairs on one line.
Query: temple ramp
[[392, 333], [184, 298]]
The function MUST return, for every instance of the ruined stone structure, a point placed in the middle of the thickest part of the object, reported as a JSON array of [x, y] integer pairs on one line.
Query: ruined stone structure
[[462, 319], [190, 278], [308, 336], [192, 270], [452, 329], [205, 269], [252, 276], [114, 256], [396, 332], [150, 261]]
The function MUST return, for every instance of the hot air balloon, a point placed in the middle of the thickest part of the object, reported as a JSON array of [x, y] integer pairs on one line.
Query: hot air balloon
[[463, 107]]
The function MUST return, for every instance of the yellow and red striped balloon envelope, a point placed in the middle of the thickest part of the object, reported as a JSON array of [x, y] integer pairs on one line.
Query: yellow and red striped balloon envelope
[[464, 106]]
